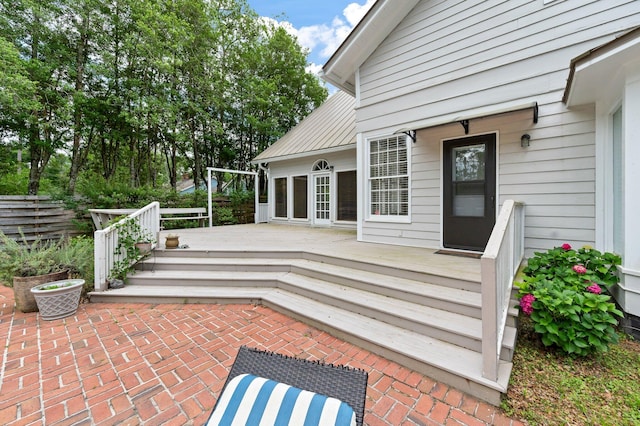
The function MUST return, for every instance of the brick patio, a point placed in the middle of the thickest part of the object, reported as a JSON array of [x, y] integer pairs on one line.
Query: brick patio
[[165, 364]]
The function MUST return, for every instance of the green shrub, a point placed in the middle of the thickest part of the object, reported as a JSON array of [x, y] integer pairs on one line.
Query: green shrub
[[565, 292], [224, 216], [23, 259]]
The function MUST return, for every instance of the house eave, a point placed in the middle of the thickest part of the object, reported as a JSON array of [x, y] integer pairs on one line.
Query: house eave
[[367, 35], [599, 73], [299, 155]]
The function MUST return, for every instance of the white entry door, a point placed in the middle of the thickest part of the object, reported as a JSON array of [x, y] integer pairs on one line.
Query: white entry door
[[322, 199]]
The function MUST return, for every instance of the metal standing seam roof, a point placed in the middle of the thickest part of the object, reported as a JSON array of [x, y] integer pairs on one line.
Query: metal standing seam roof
[[330, 126]]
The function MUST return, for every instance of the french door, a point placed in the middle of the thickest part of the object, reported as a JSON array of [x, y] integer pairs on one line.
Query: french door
[[322, 199]]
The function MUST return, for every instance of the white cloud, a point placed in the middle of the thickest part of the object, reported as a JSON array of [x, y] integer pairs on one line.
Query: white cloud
[[354, 11], [313, 68], [324, 39]]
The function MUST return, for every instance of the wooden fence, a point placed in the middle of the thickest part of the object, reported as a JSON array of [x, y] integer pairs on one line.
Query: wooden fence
[[34, 216]]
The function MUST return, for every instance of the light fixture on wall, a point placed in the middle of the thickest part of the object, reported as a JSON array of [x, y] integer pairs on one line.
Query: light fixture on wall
[[525, 140]]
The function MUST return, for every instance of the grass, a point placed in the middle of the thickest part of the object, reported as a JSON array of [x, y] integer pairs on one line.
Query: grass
[[549, 388]]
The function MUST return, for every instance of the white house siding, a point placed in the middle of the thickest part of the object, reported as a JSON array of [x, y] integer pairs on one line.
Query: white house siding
[[452, 56], [554, 177], [455, 57], [341, 161]]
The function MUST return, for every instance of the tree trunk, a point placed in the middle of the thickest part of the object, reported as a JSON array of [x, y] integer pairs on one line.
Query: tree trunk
[[77, 155]]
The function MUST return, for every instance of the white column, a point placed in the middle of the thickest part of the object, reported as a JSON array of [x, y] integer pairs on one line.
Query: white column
[[631, 261]]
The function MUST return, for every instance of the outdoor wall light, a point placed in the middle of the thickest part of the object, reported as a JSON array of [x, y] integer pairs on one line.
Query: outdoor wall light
[[525, 140]]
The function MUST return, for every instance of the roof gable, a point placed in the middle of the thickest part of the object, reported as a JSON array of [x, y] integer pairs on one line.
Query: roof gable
[[331, 126], [375, 26]]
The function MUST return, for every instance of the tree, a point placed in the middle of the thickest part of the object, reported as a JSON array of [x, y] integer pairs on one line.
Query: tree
[[139, 92], [31, 27]]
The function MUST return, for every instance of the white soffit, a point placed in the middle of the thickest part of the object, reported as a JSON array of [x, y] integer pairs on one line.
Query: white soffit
[[601, 72], [383, 17]]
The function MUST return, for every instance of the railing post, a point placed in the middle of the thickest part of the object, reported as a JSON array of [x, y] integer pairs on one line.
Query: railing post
[[99, 261], [209, 201], [489, 320], [499, 264], [256, 201]]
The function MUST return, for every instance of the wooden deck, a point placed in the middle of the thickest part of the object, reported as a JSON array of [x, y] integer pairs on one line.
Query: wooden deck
[[324, 241], [413, 306]]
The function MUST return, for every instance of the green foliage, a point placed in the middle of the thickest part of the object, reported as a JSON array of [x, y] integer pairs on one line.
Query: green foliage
[[24, 259], [126, 254], [224, 216], [558, 263], [564, 292], [549, 388], [56, 286], [14, 182], [239, 198], [77, 256], [139, 92]]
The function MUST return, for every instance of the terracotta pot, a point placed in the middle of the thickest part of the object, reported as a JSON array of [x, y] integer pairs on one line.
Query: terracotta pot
[[144, 248], [172, 242], [25, 302]]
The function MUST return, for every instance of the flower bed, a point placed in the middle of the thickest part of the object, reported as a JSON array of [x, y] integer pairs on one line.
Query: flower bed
[[565, 293]]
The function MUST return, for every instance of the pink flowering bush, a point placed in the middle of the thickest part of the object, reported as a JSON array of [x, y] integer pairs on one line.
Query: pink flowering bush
[[579, 269], [564, 293], [594, 288], [526, 303]]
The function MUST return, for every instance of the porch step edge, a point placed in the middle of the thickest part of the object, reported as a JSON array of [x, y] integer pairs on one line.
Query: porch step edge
[[452, 364], [446, 362]]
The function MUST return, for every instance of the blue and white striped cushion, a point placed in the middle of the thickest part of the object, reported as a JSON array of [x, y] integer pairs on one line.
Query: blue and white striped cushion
[[250, 400]]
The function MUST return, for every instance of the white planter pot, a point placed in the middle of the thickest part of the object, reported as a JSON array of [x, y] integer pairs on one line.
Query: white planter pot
[[58, 302]]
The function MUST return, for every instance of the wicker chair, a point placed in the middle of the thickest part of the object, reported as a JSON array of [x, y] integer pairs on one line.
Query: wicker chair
[[344, 383]]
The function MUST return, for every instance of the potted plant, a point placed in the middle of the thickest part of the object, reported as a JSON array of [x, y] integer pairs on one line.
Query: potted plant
[[144, 242], [58, 299], [172, 241], [25, 265]]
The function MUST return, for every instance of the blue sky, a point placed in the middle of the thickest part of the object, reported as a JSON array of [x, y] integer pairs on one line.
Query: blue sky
[[320, 25]]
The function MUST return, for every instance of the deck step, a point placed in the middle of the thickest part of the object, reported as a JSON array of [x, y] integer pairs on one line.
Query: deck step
[[435, 321], [463, 301], [423, 320], [229, 257], [436, 358], [435, 317], [440, 360]]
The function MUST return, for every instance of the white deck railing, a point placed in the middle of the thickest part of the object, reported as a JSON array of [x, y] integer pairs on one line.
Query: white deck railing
[[499, 264], [106, 241]]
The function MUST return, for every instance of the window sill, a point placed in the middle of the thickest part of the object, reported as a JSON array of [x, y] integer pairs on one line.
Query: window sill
[[389, 219]]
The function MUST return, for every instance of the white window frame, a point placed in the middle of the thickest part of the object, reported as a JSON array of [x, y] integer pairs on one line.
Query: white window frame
[[371, 216]]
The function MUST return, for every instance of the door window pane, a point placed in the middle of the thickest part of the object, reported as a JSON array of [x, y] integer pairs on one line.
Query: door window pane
[[468, 180]]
